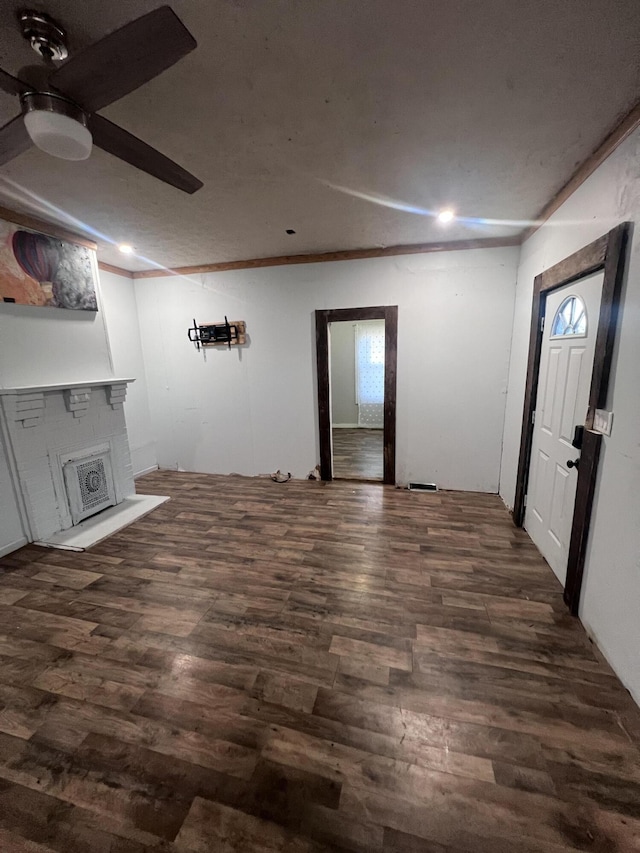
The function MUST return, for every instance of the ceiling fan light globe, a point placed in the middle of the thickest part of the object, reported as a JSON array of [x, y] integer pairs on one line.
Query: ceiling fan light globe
[[58, 134]]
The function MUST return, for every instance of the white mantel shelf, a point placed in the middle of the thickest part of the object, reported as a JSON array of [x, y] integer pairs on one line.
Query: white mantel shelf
[[64, 386]]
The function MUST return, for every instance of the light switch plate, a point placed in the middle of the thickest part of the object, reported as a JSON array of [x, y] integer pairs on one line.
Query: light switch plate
[[603, 421]]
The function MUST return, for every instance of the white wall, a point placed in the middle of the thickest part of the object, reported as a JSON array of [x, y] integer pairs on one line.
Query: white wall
[[610, 608], [253, 410], [121, 312], [40, 346], [344, 410]]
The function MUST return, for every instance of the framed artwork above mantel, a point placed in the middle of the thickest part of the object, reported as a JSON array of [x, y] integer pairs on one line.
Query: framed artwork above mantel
[[45, 271]]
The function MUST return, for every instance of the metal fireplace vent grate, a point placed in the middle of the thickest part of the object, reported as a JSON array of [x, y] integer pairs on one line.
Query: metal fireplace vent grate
[[89, 486], [92, 480]]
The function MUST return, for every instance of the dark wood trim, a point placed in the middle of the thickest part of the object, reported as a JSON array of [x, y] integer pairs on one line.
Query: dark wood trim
[[530, 395], [585, 261], [388, 313], [609, 144], [324, 393], [585, 490], [346, 255], [390, 374], [44, 227], [614, 266], [115, 270], [608, 253]]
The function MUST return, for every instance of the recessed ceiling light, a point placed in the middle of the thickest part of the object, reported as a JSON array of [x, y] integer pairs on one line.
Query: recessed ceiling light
[[126, 248], [446, 216]]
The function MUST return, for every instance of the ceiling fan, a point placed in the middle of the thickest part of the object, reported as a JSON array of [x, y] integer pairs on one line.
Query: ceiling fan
[[59, 102]]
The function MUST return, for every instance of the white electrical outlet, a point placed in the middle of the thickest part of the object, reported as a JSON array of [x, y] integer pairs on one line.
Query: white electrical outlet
[[603, 421]]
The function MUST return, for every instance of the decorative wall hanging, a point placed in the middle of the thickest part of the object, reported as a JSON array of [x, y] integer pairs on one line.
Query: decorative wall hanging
[[36, 269], [218, 334]]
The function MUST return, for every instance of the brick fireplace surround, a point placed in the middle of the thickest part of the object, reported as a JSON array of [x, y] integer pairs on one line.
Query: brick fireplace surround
[[42, 427]]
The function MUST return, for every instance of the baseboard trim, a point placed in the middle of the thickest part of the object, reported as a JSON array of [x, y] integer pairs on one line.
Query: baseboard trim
[[607, 657], [13, 546], [355, 426], [145, 471]]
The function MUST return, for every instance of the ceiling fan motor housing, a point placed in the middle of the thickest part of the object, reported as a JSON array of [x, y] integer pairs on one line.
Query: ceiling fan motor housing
[[44, 35]]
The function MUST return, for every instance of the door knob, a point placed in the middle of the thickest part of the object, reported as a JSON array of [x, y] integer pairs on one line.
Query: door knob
[[572, 463]]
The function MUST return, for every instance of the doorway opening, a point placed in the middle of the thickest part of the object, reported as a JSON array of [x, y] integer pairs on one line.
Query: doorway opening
[[554, 418], [356, 357], [356, 352]]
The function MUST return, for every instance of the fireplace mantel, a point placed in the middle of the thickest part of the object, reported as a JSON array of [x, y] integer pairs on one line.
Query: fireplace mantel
[[64, 386]]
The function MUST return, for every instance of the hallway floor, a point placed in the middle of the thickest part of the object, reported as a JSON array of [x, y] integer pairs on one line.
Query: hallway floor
[[357, 453], [307, 667]]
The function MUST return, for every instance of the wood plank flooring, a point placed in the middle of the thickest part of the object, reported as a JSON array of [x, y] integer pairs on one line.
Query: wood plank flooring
[[307, 667], [358, 453]]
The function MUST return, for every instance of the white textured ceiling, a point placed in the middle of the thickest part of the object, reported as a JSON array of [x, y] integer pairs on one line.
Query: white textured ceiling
[[485, 106]]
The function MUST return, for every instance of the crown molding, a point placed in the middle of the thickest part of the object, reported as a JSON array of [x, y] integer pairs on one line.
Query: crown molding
[[613, 139], [49, 228], [115, 270], [324, 257]]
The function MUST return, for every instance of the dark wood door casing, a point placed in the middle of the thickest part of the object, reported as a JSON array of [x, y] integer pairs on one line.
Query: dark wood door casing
[[608, 253], [388, 313]]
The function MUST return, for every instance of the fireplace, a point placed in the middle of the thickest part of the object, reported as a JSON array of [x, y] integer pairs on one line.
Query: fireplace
[[68, 451]]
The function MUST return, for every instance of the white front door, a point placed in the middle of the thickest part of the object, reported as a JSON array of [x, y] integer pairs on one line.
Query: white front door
[[566, 364]]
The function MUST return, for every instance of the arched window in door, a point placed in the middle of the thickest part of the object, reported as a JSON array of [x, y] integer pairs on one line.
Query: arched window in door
[[570, 319]]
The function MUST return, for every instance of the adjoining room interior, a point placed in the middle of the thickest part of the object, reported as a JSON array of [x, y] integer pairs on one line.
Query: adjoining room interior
[[357, 399], [271, 580]]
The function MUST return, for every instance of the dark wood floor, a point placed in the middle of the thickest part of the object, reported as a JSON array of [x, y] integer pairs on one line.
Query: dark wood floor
[[307, 667], [357, 454]]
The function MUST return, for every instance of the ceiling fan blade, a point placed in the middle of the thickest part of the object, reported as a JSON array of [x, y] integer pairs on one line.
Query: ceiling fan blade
[[12, 85], [14, 139], [124, 145], [124, 60]]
